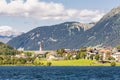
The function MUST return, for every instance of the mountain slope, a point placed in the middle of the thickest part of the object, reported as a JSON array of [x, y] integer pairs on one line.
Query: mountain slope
[[7, 50], [107, 31], [52, 37]]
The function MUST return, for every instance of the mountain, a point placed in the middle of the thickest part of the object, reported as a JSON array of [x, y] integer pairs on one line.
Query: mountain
[[105, 32], [5, 39], [7, 33], [52, 37]]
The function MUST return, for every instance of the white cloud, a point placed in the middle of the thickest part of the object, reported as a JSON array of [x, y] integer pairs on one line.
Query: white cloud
[[44, 10], [8, 31], [5, 28]]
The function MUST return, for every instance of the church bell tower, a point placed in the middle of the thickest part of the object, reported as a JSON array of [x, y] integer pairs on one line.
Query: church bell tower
[[40, 49]]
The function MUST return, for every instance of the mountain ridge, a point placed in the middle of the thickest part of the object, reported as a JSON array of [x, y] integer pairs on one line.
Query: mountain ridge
[[49, 35], [73, 35]]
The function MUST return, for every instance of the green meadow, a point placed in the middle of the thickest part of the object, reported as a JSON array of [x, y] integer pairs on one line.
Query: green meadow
[[80, 62]]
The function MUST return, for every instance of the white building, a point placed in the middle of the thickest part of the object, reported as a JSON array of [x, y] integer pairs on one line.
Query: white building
[[116, 56], [20, 49]]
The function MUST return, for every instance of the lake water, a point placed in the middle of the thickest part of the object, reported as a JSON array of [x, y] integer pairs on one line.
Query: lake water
[[59, 73]]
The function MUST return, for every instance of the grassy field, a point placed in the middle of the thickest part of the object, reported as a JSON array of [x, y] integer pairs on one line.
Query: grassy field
[[80, 62]]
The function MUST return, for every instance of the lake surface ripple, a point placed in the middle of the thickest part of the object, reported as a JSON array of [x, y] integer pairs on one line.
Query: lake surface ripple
[[59, 73]]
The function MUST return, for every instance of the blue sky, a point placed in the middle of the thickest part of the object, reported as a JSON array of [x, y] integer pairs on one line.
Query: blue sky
[[89, 4], [24, 16]]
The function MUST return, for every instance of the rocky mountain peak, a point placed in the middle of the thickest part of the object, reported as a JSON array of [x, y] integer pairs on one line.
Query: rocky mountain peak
[[113, 12], [79, 25]]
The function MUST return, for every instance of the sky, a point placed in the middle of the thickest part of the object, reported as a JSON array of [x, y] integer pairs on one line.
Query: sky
[[25, 15]]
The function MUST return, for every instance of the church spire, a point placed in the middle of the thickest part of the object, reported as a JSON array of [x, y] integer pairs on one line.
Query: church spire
[[40, 49]]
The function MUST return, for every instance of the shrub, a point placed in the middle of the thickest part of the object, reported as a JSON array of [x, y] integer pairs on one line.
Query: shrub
[[36, 61], [113, 64], [92, 56], [49, 63], [77, 56], [111, 58], [97, 56], [20, 61]]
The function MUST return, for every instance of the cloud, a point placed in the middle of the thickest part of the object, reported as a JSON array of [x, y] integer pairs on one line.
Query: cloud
[[44, 10], [8, 31], [5, 28]]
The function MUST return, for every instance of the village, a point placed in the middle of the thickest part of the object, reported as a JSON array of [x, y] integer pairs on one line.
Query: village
[[84, 56], [102, 54]]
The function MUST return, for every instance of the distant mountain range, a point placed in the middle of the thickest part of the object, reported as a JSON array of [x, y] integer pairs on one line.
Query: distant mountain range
[[7, 35], [5, 39], [73, 35]]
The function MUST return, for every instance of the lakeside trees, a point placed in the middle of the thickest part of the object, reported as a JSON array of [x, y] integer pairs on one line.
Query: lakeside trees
[[60, 52], [82, 53], [111, 58], [97, 57]]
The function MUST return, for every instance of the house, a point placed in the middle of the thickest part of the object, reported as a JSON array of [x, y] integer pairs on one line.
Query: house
[[116, 56], [39, 54], [91, 51], [52, 55], [20, 55], [20, 49], [105, 54]]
